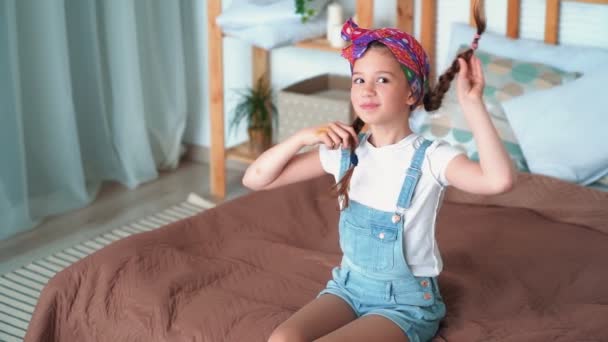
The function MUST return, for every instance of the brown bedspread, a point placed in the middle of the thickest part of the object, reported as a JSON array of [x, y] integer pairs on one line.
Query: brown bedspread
[[530, 265]]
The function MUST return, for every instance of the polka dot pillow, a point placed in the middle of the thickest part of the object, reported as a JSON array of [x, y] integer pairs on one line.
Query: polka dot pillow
[[505, 78], [449, 124]]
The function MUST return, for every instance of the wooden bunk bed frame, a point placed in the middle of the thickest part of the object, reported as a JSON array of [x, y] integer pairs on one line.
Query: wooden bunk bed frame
[[364, 10]]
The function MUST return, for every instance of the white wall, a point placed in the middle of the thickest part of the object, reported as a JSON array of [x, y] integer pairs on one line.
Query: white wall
[[290, 64]]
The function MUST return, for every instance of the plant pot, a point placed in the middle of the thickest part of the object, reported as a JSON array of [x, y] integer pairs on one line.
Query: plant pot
[[260, 139]]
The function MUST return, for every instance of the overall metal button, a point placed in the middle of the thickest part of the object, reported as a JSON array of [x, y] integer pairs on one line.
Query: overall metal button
[[424, 283], [381, 236], [396, 218], [427, 296]]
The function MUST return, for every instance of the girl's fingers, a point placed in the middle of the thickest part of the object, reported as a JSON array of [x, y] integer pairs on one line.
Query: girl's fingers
[[473, 67], [463, 78], [463, 66], [476, 77], [350, 130], [473, 64], [479, 70], [335, 139], [328, 137], [322, 133], [342, 133], [327, 141]]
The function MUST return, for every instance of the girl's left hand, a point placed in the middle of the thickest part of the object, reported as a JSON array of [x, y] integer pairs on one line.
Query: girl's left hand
[[470, 81]]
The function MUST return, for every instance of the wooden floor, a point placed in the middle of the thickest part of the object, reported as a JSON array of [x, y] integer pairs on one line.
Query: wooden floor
[[116, 206]]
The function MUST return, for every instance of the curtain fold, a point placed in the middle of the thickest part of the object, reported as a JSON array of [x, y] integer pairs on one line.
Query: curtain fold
[[90, 91]]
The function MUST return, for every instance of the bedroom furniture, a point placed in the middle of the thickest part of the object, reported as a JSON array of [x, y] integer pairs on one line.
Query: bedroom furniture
[[364, 10], [261, 68], [528, 265]]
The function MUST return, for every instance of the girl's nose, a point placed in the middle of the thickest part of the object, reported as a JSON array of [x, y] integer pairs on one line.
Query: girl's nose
[[368, 89]]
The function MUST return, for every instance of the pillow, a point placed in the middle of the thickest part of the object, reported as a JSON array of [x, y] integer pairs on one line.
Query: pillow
[[601, 184], [562, 130], [507, 78], [449, 124], [277, 35], [243, 14], [583, 59]]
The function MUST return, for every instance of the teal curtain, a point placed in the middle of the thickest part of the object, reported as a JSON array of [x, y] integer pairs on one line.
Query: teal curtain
[[90, 91]]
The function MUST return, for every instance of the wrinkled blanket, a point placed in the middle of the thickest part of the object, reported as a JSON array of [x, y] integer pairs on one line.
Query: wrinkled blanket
[[528, 265]]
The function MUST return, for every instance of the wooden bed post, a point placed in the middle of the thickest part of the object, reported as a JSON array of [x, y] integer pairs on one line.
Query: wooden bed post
[[261, 63], [513, 11], [261, 69], [216, 106], [365, 13], [551, 21], [405, 16], [427, 33]]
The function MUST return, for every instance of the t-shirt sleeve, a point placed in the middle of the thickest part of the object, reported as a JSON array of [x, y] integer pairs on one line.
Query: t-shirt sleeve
[[330, 159], [439, 156]]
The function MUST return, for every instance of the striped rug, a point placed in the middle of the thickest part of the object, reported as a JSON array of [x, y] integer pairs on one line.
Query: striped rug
[[19, 289]]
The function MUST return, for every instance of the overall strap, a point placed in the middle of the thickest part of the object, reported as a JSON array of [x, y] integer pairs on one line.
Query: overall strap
[[412, 176], [345, 156]]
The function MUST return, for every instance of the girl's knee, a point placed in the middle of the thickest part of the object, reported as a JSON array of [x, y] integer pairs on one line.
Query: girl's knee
[[286, 334]]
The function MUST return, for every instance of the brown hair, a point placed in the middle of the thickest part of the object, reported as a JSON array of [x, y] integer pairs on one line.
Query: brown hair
[[341, 188], [432, 99]]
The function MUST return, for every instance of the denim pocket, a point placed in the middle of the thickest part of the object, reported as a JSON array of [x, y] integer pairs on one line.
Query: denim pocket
[[371, 247]]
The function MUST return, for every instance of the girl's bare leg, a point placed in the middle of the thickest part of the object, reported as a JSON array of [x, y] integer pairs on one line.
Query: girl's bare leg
[[317, 318], [367, 328]]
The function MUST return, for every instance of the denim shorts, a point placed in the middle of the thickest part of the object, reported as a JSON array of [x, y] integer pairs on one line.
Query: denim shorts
[[415, 305]]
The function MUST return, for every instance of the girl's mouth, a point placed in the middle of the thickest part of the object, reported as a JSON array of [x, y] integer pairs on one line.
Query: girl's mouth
[[369, 106]]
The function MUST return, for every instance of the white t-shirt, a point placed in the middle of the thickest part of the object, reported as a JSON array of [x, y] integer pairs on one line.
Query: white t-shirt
[[377, 181]]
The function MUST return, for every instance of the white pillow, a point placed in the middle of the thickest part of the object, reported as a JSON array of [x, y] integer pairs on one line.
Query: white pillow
[[583, 59], [277, 35], [563, 131], [242, 14]]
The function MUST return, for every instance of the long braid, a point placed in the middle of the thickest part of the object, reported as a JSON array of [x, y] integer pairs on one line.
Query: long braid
[[341, 188], [432, 99]]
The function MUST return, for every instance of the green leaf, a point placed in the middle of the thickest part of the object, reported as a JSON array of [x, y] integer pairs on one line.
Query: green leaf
[[255, 104]]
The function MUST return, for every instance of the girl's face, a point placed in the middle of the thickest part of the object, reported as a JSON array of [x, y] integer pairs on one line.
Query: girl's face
[[380, 93]]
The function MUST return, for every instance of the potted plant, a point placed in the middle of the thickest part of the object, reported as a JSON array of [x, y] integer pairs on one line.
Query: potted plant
[[255, 104], [303, 10]]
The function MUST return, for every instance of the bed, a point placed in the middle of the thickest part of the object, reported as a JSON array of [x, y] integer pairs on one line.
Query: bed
[[527, 265]]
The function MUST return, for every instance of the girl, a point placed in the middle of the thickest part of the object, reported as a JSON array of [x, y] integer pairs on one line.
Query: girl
[[390, 182]]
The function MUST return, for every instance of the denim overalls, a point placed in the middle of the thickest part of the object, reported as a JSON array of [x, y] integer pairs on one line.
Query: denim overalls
[[374, 277]]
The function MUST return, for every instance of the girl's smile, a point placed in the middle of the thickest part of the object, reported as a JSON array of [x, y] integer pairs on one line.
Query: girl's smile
[[369, 106]]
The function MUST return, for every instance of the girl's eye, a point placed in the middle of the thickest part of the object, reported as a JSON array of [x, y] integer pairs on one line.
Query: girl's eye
[[359, 80]]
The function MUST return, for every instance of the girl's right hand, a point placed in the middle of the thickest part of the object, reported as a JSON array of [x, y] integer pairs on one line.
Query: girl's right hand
[[333, 135]]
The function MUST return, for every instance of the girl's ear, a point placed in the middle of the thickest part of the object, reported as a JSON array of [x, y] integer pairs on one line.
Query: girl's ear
[[410, 98]]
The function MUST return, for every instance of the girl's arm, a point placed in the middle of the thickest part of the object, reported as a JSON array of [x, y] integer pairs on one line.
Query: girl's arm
[[280, 165], [495, 172]]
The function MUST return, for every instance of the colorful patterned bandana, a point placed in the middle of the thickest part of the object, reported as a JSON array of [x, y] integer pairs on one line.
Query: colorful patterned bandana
[[407, 50]]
